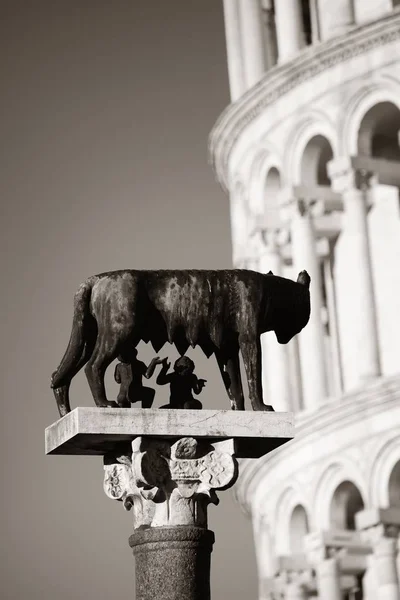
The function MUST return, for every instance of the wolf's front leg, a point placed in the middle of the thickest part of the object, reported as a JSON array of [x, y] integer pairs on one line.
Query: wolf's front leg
[[251, 352]]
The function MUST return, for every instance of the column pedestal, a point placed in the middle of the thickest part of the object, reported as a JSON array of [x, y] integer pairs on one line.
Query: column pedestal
[[172, 562], [166, 466]]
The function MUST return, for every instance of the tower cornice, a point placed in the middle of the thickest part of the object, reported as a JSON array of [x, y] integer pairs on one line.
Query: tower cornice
[[378, 398]]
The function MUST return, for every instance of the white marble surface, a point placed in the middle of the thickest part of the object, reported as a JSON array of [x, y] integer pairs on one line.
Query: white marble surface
[[93, 430]]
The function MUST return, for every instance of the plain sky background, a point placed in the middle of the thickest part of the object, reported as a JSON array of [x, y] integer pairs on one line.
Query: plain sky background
[[105, 113]]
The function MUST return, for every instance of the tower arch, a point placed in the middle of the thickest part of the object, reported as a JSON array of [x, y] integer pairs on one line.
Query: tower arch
[[298, 529], [394, 486], [313, 135], [385, 91], [272, 185], [345, 504], [316, 155], [378, 134]]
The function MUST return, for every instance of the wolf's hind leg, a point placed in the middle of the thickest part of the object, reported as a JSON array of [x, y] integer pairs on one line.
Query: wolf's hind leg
[[105, 351], [251, 352], [61, 394]]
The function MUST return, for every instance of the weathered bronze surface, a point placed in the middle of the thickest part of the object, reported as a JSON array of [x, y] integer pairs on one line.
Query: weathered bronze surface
[[183, 382], [129, 373], [220, 311]]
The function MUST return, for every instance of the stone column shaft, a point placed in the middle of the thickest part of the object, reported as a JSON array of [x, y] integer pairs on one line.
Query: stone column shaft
[[363, 337], [234, 48], [172, 563], [289, 28], [311, 339], [276, 376], [296, 387], [252, 41], [331, 302], [398, 559], [369, 584], [328, 578]]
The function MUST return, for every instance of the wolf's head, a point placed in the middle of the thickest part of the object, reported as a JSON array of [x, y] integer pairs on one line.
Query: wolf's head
[[292, 311]]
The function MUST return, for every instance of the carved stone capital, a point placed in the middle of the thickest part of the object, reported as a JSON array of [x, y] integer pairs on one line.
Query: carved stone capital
[[297, 580], [345, 176], [301, 202], [376, 523], [290, 206], [271, 239], [374, 534], [119, 484], [170, 483]]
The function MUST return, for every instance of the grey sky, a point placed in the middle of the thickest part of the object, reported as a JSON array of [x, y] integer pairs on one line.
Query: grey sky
[[106, 109]]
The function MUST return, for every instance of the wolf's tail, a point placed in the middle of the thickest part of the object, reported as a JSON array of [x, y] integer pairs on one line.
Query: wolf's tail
[[72, 359]]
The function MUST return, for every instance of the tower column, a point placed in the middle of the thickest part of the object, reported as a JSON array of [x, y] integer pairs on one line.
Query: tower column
[[385, 552], [270, 35], [276, 377], [381, 528], [328, 577], [289, 28], [234, 48], [264, 548], [252, 41], [363, 337], [311, 339]]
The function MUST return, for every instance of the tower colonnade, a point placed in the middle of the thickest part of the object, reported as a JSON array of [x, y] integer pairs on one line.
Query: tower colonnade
[[331, 186], [310, 158], [258, 34], [263, 33], [313, 219]]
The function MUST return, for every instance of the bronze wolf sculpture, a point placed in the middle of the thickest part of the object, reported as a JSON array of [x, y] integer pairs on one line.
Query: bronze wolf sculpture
[[220, 311]]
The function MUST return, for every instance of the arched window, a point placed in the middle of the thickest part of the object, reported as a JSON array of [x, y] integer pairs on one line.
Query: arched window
[[298, 529], [346, 503], [314, 172], [378, 135], [394, 486], [316, 156], [271, 189]]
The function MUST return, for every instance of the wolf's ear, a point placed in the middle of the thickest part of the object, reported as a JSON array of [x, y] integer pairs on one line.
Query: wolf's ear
[[304, 278], [270, 273]]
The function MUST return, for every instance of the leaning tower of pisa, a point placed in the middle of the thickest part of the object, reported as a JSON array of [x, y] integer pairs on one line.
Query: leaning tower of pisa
[[308, 153]]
